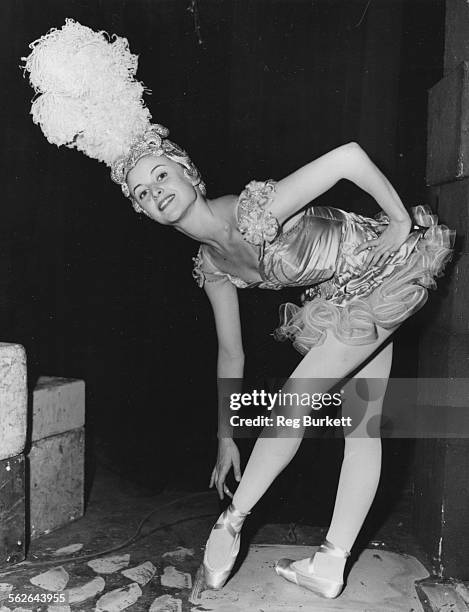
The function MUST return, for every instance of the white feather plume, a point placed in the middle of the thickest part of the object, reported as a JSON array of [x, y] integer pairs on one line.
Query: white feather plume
[[87, 96]]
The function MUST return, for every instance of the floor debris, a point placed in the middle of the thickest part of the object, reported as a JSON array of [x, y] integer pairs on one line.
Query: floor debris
[[109, 565], [5, 589], [86, 591], [55, 579], [142, 573], [67, 550], [386, 585], [166, 603], [175, 579], [180, 554], [119, 599], [462, 591]]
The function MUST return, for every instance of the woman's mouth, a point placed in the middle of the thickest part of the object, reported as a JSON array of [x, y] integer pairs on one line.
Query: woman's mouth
[[165, 201]]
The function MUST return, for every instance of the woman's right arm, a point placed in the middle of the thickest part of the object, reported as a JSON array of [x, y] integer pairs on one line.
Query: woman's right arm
[[230, 369]]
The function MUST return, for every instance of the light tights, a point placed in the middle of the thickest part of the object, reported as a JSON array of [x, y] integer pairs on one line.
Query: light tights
[[268, 458], [359, 478]]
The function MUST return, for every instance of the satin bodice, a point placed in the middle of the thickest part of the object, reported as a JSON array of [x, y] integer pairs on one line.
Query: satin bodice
[[319, 249], [344, 294], [303, 255]]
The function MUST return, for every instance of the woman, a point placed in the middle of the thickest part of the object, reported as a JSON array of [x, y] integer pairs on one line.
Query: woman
[[367, 275], [249, 241]]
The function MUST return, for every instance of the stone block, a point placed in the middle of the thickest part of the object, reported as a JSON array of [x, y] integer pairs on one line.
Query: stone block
[[448, 128], [56, 466], [58, 406], [12, 510], [456, 29], [13, 399]]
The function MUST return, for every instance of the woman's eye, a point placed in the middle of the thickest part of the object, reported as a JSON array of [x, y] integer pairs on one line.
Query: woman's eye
[[142, 194], [162, 176]]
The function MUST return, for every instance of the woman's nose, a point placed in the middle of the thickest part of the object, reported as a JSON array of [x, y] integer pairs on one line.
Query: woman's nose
[[156, 191]]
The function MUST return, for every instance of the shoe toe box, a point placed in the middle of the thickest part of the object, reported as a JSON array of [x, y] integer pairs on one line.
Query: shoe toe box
[[283, 568]]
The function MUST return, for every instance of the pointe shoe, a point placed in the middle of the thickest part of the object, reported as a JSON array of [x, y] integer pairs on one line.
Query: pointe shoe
[[215, 579], [324, 587]]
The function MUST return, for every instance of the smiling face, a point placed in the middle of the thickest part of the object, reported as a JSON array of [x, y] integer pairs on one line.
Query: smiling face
[[159, 186]]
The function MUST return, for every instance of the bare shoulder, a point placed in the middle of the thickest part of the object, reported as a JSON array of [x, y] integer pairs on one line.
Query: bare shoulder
[[225, 202], [225, 207]]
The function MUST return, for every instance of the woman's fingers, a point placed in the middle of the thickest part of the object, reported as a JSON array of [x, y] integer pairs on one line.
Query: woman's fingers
[[374, 251], [237, 469], [376, 256], [223, 490], [382, 256], [378, 253], [370, 258], [385, 257], [367, 245], [212, 478], [221, 482]]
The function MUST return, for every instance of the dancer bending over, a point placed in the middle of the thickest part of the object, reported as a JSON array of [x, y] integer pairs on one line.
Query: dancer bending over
[[364, 275]]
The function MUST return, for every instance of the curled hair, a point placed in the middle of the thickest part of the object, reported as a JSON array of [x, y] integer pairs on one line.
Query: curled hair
[[154, 142]]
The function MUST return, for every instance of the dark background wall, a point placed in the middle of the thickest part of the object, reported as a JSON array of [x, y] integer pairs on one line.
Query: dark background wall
[[252, 89]]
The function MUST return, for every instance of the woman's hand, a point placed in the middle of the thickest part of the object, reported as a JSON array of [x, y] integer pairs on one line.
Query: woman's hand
[[228, 455], [382, 248]]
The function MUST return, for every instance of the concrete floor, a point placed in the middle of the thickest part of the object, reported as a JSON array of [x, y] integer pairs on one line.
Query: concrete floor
[[382, 577], [378, 581]]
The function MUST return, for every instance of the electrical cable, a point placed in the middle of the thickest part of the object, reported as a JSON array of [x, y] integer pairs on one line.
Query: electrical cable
[[128, 542]]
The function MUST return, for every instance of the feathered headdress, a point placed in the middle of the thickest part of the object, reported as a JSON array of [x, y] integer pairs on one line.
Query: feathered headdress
[[87, 98]]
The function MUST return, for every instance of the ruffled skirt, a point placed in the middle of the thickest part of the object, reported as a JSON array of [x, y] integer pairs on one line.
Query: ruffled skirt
[[355, 302]]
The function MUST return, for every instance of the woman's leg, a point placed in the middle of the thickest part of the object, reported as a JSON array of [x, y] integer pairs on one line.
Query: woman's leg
[[361, 467], [321, 368]]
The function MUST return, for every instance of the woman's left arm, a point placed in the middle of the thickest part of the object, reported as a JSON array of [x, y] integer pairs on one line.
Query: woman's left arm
[[346, 162]]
